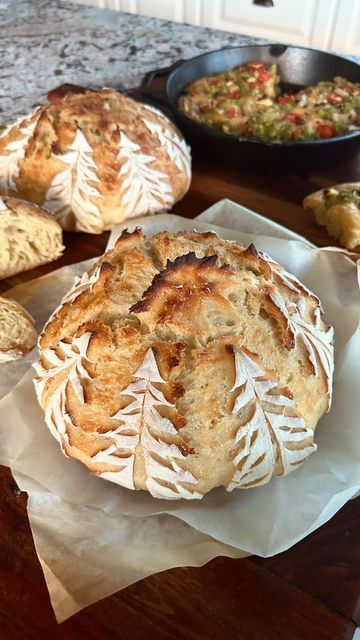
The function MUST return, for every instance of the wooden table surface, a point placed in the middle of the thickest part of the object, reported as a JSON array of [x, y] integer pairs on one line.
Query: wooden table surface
[[311, 592]]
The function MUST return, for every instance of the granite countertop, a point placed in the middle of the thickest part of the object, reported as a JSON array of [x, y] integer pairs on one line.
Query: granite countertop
[[45, 43]]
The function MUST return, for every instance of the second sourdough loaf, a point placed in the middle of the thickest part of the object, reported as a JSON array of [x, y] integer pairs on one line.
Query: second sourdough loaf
[[182, 362], [95, 158], [29, 237]]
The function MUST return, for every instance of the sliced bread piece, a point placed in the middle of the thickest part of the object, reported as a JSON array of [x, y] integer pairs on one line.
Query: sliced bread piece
[[338, 209], [17, 331], [29, 237]]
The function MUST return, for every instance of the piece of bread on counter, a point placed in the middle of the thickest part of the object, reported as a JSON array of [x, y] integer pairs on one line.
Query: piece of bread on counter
[[95, 158], [183, 362], [338, 209], [29, 237], [17, 330]]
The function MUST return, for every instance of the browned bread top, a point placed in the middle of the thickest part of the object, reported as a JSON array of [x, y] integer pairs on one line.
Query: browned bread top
[[182, 362], [95, 158]]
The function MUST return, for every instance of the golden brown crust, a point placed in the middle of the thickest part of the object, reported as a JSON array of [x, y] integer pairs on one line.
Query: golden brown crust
[[174, 348], [30, 210], [95, 158]]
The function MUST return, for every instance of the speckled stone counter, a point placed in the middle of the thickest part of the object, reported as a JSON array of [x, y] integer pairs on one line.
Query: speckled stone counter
[[47, 42]]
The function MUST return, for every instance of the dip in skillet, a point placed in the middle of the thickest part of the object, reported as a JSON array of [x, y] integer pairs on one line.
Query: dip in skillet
[[246, 102]]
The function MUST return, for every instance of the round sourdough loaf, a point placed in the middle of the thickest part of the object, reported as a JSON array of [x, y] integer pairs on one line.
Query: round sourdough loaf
[[182, 362], [94, 158]]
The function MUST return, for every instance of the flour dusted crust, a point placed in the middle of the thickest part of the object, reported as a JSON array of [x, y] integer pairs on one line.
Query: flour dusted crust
[[338, 209], [183, 362], [29, 237], [95, 158]]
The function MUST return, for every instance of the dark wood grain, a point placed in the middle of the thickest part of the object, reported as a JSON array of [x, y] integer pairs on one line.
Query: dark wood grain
[[240, 599], [309, 592], [278, 197]]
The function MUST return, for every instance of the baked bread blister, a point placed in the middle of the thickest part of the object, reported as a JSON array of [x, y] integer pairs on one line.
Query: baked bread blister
[[183, 362], [17, 331], [29, 237], [338, 209], [95, 158]]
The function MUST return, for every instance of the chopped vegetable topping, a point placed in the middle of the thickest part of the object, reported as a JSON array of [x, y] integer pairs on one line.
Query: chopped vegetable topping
[[326, 130], [244, 101], [293, 117], [284, 99]]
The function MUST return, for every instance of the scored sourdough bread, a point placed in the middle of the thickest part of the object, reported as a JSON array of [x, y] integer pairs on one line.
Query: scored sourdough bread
[[29, 237], [95, 158], [181, 362], [17, 331]]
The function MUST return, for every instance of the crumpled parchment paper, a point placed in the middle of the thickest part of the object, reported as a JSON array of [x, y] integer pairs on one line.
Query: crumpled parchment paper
[[94, 537]]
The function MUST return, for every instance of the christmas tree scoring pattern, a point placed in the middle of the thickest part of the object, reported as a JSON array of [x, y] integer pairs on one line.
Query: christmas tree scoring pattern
[[71, 190], [143, 188], [176, 147], [317, 342], [146, 427], [72, 356], [140, 423], [15, 151], [80, 285], [271, 442]]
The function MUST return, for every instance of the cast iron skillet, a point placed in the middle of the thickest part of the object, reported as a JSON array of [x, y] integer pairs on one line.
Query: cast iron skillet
[[299, 67]]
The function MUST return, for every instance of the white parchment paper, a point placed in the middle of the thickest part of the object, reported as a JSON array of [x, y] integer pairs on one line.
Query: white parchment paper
[[94, 538]]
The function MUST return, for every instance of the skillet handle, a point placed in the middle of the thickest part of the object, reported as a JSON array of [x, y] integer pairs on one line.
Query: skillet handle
[[150, 76]]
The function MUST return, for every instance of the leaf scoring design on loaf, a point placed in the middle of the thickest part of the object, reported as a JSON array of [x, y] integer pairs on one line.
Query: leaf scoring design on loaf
[[176, 147], [80, 285], [288, 279], [270, 442], [71, 357], [317, 342], [15, 150], [71, 190], [143, 188], [142, 419]]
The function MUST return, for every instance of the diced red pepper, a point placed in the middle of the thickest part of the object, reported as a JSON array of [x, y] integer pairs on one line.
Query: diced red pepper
[[294, 134], [213, 81], [293, 117], [254, 66], [231, 113], [232, 94], [333, 98], [284, 99], [326, 130], [254, 83], [264, 75], [247, 129]]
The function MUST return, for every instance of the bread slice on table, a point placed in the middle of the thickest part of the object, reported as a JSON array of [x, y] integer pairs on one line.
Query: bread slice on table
[[29, 237], [338, 209], [17, 331]]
